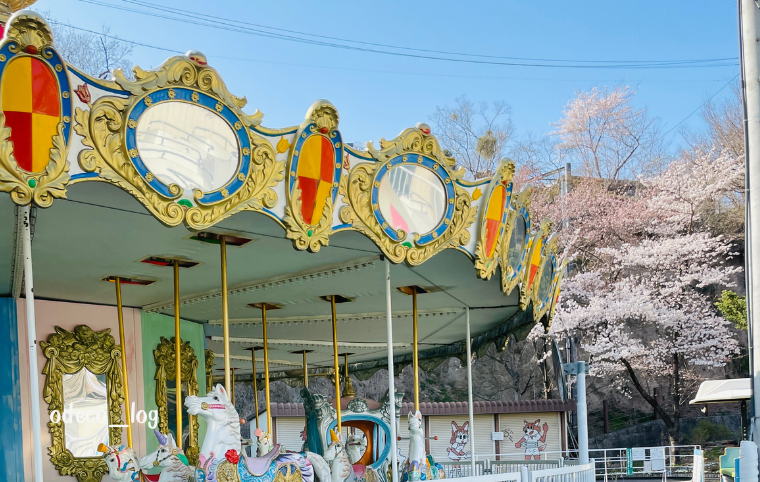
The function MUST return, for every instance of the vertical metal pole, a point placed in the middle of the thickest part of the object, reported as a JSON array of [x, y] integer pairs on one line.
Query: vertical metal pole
[[127, 407], [415, 351], [255, 388], [266, 366], [31, 335], [470, 407], [178, 357], [335, 363], [305, 371], [582, 410], [225, 318], [750, 55], [391, 381], [233, 386]]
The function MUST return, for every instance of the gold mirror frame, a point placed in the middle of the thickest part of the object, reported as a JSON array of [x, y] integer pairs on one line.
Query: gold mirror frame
[[67, 352], [486, 265], [163, 355], [520, 205]]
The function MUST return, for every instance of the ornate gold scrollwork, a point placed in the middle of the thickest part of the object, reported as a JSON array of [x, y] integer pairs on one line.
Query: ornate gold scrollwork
[[548, 251], [29, 34], [209, 355], [534, 254], [163, 356], [556, 290], [510, 277], [255, 194], [68, 352], [321, 119], [104, 127], [359, 211], [486, 265]]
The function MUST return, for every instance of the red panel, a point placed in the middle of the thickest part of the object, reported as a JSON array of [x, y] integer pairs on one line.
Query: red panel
[[327, 164], [21, 135], [308, 188], [44, 90], [492, 234]]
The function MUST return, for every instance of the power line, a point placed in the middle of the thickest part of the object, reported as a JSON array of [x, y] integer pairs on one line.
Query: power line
[[200, 20], [350, 69], [702, 105], [206, 16]]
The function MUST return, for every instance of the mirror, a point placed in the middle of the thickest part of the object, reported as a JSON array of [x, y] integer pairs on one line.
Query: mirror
[[166, 393], [516, 244], [412, 198], [545, 283], [83, 390], [85, 417], [187, 145]]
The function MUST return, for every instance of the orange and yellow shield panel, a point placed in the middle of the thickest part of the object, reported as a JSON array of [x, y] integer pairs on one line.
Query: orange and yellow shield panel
[[32, 108], [315, 170], [495, 216], [535, 260]]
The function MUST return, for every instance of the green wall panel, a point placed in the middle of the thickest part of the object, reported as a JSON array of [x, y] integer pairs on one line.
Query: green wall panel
[[154, 326]]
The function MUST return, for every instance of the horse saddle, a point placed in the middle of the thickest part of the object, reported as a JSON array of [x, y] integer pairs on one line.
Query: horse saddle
[[259, 466]]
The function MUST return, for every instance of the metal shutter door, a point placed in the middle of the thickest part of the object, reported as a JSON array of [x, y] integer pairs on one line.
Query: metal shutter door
[[289, 432], [441, 426], [512, 425]]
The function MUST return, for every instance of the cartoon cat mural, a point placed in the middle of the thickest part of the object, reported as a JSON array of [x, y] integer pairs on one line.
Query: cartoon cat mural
[[460, 435], [532, 439]]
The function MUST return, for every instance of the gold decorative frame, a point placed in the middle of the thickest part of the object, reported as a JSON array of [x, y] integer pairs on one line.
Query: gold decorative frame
[[362, 177], [321, 119], [485, 265], [526, 286], [520, 203], [104, 126], [29, 36], [164, 358], [67, 352], [555, 291], [209, 355], [548, 250]]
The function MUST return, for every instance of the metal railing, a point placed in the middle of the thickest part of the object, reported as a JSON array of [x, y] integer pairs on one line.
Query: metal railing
[[456, 470], [580, 473]]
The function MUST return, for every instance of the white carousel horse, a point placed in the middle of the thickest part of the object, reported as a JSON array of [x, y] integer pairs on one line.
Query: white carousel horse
[[418, 466], [123, 464], [174, 465], [354, 445], [264, 443], [222, 445], [340, 467]]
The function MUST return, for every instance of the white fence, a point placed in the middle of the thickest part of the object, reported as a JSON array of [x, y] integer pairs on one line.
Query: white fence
[[578, 473]]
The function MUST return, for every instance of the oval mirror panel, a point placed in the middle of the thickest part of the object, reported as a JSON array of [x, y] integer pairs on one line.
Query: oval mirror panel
[[32, 109], [516, 244], [187, 145], [545, 283], [412, 198]]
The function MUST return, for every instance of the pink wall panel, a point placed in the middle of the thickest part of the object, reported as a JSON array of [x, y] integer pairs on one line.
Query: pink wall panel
[[68, 315]]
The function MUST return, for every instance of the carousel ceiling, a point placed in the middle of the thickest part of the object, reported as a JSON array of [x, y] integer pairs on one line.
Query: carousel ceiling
[[158, 167]]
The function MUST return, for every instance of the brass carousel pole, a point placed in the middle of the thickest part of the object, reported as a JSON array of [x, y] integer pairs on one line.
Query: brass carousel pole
[[225, 318], [233, 385], [178, 357], [415, 351], [266, 366], [255, 388], [335, 360], [125, 382]]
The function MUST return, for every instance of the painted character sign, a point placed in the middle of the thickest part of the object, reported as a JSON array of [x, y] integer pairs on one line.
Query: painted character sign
[[533, 438], [460, 435]]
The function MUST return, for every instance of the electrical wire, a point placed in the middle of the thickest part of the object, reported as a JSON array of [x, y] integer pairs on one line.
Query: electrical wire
[[702, 105], [188, 18], [205, 16]]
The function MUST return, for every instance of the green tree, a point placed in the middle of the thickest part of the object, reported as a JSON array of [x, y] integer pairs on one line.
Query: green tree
[[733, 308]]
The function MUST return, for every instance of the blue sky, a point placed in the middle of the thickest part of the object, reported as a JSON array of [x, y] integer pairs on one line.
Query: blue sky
[[379, 95]]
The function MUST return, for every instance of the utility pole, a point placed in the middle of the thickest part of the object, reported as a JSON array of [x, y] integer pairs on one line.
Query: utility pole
[[749, 37]]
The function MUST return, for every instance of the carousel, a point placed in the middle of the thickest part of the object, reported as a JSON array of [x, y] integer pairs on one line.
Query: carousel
[[175, 237]]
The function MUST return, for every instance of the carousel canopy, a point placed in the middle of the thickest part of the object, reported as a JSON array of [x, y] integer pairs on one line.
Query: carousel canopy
[[130, 175]]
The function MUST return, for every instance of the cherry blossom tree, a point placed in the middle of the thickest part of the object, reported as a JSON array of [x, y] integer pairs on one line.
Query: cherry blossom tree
[[607, 137], [642, 307]]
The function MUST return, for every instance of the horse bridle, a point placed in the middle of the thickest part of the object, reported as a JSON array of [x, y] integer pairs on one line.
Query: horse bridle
[[157, 462]]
